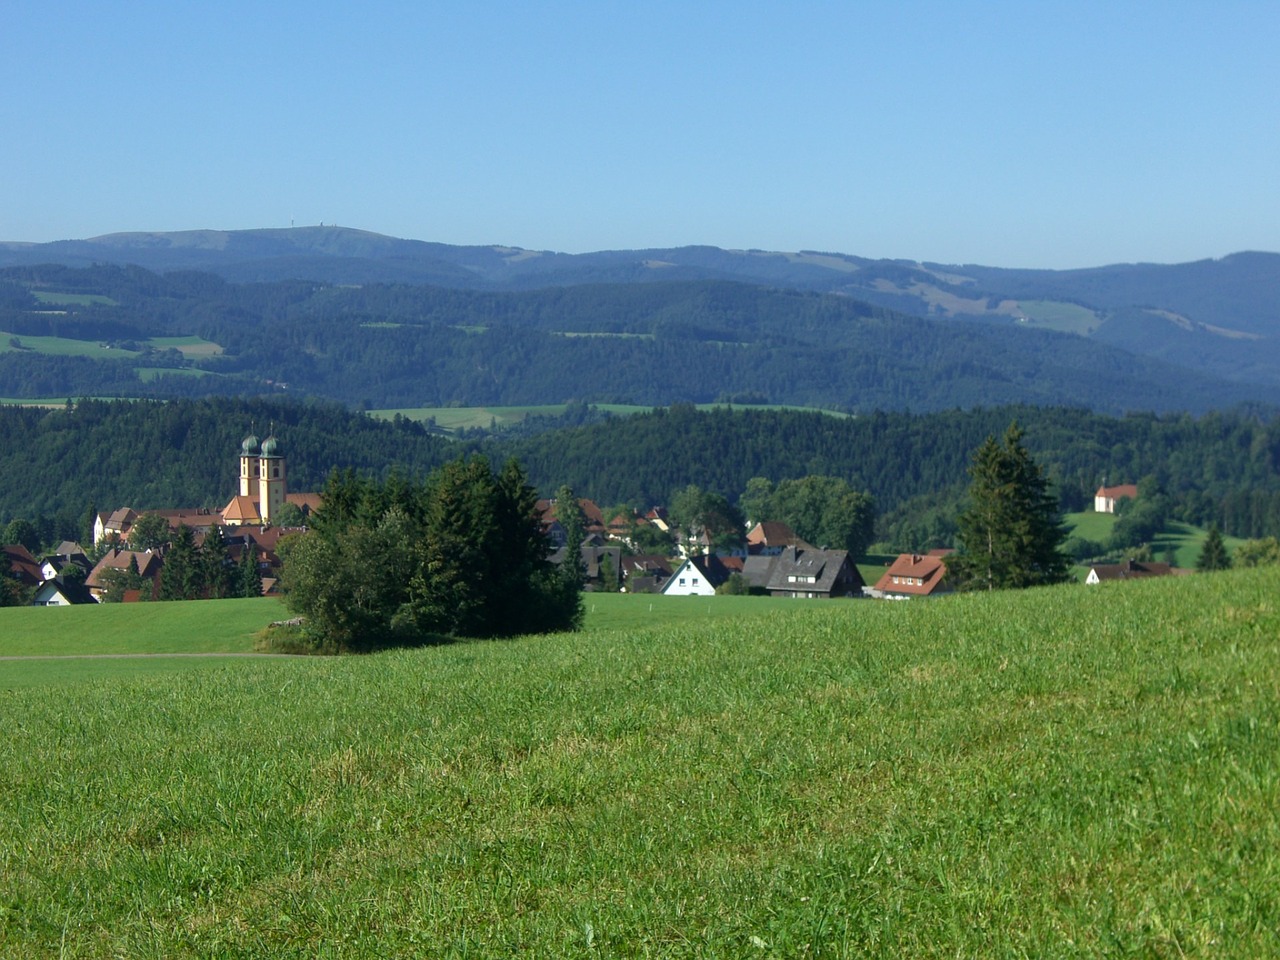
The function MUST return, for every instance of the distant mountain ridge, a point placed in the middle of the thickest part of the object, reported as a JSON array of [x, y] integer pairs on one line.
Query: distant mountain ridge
[[1220, 317]]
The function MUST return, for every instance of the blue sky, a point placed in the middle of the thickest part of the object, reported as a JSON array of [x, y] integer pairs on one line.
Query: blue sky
[[1005, 133]]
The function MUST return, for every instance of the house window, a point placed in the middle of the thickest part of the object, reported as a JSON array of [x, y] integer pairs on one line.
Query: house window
[[695, 581], [895, 579], [682, 581]]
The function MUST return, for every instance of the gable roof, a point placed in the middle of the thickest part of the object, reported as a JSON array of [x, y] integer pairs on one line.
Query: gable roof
[[1129, 570], [809, 570], [21, 564], [73, 592], [1129, 490], [241, 509], [774, 533], [915, 575], [149, 564], [709, 567], [308, 503]]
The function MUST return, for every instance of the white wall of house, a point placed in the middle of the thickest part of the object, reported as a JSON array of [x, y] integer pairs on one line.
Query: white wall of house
[[688, 581]]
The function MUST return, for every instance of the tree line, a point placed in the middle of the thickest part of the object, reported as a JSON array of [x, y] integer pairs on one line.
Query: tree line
[[1223, 468]]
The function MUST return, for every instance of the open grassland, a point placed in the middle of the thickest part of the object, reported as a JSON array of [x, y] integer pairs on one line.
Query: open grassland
[[72, 299], [63, 347], [193, 348], [460, 418], [1057, 315], [190, 347], [1063, 772], [1091, 525], [196, 626]]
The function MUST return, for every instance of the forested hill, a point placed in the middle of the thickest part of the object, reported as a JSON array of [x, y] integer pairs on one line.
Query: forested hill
[[124, 331], [1222, 468], [1217, 317], [184, 453]]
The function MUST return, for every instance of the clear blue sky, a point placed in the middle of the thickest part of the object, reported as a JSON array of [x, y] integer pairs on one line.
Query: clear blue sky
[[1005, 133]]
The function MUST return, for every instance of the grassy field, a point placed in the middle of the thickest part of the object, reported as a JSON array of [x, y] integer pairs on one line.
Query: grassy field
[[1183, 539], [1056, 315], [63, 347], [460, 418], [72, 299], [190, 347], [1065, 772]]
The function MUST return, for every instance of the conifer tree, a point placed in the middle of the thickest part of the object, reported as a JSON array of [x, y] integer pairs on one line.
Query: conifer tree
[[1011, 531], [1213, 555]]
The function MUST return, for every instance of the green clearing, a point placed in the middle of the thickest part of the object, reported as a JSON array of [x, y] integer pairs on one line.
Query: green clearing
[[452, 419], [64, 347], [24, 402], [72, 299], [1062, 772], [1056, 315], [1090, 525], [190, 347], [1184, 539], [193, 348]]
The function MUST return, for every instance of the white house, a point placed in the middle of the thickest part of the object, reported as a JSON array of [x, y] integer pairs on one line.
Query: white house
[[696, 577]]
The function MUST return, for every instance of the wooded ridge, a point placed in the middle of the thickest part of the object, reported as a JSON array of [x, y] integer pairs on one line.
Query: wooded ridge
[[1221, 468]]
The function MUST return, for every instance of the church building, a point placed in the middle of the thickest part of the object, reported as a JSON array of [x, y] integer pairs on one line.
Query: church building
[[263, 485]]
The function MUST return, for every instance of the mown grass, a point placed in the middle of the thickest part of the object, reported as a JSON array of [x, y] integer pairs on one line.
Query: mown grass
[[197, 626], [1064, 772]]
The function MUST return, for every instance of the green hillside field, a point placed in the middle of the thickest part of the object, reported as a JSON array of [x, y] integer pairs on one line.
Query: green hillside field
[[1063, 772]]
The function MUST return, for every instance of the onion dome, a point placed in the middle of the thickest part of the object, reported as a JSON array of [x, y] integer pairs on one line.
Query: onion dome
[[249, 445], [271, 447]]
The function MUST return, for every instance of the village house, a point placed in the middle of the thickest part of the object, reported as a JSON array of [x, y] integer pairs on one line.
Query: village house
[[770, 537], [697, 576], [913, 575], [804, 572]]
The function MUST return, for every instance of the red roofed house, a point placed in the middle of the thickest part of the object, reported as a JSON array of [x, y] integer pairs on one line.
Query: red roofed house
[[912, 575], [771, 537], [1105, 500]]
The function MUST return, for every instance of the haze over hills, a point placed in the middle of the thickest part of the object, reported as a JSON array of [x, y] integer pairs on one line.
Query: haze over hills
[[1201, 326]]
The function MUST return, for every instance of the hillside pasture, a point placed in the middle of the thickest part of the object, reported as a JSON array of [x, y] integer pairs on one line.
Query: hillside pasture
[[55, 299], [63, 347], [1060, 772], [1056, 315]]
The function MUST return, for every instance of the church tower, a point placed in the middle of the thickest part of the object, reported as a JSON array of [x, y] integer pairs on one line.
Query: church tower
[[271, 480], [249, 466]]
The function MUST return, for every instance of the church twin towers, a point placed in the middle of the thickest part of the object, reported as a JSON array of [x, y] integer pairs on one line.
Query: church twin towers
[[262, 483]]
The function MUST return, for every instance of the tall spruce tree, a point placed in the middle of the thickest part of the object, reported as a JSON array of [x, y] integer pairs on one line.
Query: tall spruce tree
[[1011, 531], [1213, 555]]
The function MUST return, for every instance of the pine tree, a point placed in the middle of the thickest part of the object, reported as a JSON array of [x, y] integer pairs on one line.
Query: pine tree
[[1011, 531], [1213, 555], [248, 581], [569, 513]]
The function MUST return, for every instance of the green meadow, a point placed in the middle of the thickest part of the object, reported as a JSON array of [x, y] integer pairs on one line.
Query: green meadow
[[1063, 772], [189, 347]]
